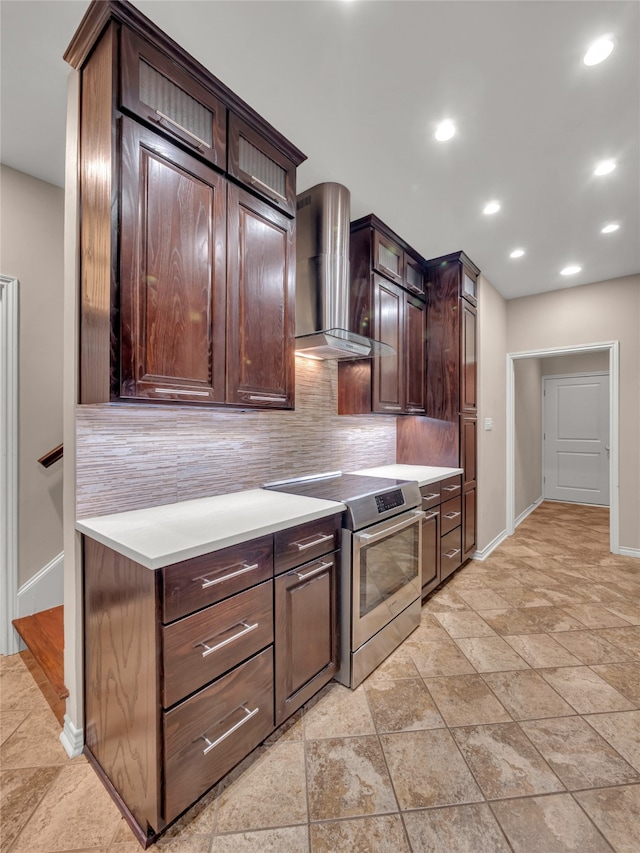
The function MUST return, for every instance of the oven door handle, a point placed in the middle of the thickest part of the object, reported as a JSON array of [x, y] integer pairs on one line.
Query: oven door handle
[[388, 530]]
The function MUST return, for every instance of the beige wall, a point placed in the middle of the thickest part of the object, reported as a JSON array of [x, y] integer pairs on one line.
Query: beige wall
[[594, 313], [31, 248], [492, 330], [582, 362], [527, 433]]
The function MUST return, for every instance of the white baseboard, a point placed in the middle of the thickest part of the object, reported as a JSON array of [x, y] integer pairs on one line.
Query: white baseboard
[[528, 511], [44, 590], [630, 552], [484, 553], [72, 738]]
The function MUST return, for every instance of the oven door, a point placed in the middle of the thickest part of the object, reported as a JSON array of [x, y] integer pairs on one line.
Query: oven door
[[387, 573]]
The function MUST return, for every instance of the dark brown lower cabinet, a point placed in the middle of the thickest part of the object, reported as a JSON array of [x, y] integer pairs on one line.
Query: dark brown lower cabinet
[[430, 550], [468, 462], [469, 524], [450, 552], [305, 633], [188, 668]]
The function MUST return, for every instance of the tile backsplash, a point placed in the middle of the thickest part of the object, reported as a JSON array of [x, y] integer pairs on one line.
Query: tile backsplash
[[133, 456]]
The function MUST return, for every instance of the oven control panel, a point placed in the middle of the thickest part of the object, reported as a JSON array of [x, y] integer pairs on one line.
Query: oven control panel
[[390, 500]]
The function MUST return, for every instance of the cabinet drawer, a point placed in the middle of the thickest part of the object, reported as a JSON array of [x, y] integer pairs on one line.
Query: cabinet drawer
[[451, 487], [159, 91], [200, 647], [430, 495], [305, 542], [194, 584], [209, 733], [450, 552], [450, 515], [261, 166]]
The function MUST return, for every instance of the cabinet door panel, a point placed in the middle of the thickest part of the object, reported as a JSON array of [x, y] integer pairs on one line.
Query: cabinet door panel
[[450, 552], [158, 90], [305, 633], [388, 258], [388, 371], [443, 344], [415, 356], [468, 361], [430, 550], [468, 441], [260, 357], [172, 272], [469, 523]]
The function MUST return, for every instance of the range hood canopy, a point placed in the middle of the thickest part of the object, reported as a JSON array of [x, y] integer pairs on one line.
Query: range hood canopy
[[322, 278]]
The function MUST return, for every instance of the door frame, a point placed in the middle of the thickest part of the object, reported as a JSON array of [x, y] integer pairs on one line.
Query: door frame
[[613, 348], [544, 378], [9, 330]]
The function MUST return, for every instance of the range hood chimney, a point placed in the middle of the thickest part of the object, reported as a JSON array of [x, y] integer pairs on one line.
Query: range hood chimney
[[322, 278]]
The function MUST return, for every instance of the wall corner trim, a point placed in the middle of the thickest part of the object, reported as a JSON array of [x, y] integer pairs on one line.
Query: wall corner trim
[[528, 511], [72, 738], [484, 553], [630, 552]]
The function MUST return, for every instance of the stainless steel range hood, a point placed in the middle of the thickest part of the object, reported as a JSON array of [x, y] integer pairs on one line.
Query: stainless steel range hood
[[322, 278]]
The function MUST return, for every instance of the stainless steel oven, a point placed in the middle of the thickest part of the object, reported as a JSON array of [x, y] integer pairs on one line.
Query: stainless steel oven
[[381, 577]]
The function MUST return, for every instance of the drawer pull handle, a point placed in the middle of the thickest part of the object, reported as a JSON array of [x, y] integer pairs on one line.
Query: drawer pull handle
[[211, 744], [431, 496], [451, 554], [188, 391], [452, 515], [207, 582], [430, 515], [392, 408], [210, 649], [198, 143], [316, 571], [450, 488], [324, 537], [257, 182]]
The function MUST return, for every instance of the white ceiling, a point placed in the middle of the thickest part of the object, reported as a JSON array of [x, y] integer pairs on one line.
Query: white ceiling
[[359, 87]]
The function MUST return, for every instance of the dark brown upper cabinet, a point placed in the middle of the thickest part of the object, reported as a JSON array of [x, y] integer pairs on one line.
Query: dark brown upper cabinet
[[260, 308], [254, 161], [383, 306], [186, 278], [172, 272], [451, 339], [157, 90]]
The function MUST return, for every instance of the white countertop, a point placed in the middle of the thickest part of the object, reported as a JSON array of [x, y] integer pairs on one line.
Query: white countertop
[[424, 474], [161, 535]]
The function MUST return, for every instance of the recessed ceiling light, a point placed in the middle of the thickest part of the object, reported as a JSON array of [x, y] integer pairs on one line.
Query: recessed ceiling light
[[491, 207], [570, 270], [517, 253], [610, 228], [445, 130], [604, 167], [598, 51]]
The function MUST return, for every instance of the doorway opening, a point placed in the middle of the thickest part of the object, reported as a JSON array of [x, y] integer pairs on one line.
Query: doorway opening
[[612, 349]]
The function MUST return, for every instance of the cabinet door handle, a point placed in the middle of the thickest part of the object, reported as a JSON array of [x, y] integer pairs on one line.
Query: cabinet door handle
[[451, 554], [210, 649], [266, 398], [207, 582], [212, 744], [160, 118], [257, 182], [430, 515], [316, 571], [450, 488], [452, 515], [324, 537], [181, 391]]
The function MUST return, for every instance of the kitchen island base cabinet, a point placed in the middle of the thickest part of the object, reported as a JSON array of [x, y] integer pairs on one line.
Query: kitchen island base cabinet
[[189, 667]]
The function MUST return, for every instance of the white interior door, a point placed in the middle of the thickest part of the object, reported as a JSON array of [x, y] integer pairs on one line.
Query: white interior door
[[576, 439]]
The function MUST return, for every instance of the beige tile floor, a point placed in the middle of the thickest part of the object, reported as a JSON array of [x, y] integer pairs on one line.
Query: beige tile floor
[[509, 721]]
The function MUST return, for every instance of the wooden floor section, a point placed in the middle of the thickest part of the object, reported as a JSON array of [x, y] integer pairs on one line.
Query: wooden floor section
[[43, 635]]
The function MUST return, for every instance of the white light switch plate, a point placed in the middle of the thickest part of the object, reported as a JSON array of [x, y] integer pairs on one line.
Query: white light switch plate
[[488, 423]]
